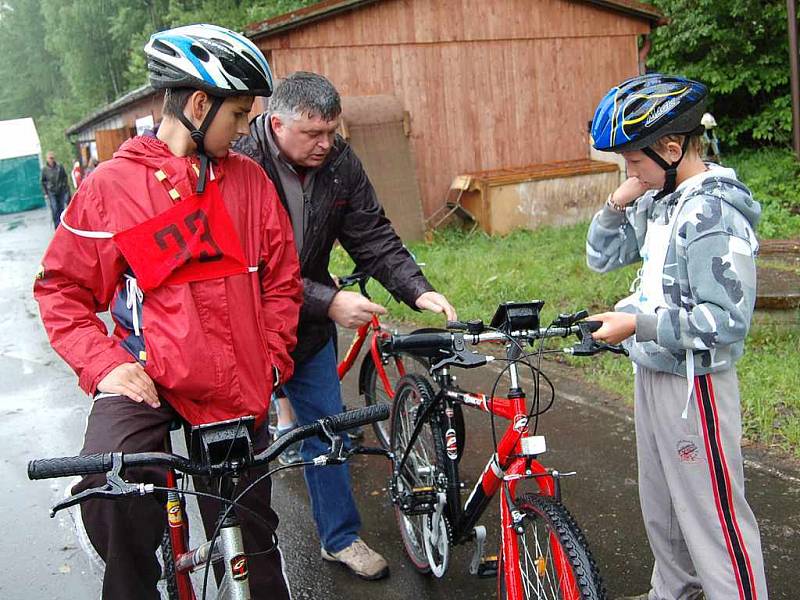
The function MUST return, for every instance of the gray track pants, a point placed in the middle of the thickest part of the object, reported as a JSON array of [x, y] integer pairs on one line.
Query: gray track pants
[[691, 484]]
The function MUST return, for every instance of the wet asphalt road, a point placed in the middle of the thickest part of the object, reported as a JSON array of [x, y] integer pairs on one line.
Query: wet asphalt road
[[43, 414]]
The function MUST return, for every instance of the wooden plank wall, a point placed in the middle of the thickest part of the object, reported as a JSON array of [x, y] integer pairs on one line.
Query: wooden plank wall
[[488, 84]]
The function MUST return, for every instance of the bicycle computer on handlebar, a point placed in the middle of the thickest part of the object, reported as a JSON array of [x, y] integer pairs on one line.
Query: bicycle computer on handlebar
[[516, 316]]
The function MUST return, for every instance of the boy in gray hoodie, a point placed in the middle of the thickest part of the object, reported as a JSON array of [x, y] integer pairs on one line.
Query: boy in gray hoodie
[[692, 225]]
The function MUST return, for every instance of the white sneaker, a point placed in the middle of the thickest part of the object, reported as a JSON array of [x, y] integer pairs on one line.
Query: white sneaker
[[360, 559]]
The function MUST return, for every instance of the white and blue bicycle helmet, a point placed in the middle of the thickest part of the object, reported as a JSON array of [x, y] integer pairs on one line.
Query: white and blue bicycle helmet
[[207, 57], [216, 60]]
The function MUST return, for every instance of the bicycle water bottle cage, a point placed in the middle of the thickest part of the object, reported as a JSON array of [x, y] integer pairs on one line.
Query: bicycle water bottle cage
[[217, 443], [517, 316]]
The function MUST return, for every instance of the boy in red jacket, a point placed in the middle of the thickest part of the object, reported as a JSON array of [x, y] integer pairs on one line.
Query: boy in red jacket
[[188, 246]]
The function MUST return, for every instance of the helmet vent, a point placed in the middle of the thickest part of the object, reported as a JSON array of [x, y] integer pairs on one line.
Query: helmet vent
[[200, 53]]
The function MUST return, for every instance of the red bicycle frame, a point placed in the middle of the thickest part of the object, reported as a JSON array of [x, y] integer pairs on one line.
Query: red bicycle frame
[[378, 333], [510, 465]]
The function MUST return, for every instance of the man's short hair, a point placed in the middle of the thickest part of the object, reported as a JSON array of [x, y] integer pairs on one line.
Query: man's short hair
[[304, 93], [175, 100]]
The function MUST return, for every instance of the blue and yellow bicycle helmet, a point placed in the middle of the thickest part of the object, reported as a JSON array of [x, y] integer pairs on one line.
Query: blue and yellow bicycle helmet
[[636, 113]]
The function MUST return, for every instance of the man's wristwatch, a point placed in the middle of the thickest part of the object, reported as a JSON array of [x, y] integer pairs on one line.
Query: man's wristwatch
[[613, 205]]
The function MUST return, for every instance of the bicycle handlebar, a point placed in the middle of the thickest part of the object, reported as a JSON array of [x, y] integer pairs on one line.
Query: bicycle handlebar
[[102, 463]]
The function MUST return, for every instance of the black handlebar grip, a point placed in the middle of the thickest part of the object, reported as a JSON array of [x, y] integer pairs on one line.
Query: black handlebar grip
[[358, 417], [67, 466], [420, 341]]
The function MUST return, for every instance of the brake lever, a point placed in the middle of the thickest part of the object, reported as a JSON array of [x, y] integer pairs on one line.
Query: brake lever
[[587, 345], [338, 454], [115, 487]]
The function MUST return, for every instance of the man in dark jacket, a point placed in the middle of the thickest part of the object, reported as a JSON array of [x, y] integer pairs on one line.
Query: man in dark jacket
[[323, 186], [55, 187]]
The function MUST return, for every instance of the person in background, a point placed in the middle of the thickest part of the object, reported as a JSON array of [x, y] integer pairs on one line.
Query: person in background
[[55, 187], [76, 174]]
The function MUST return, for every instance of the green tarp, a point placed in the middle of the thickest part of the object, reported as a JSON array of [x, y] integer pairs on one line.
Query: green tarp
[[19, 184]]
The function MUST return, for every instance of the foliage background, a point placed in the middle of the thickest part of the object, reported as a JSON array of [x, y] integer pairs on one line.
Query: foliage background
[[62, 59], [740, 49]]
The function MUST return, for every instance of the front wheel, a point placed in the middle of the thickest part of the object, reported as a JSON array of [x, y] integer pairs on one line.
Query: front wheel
[[554, 558]]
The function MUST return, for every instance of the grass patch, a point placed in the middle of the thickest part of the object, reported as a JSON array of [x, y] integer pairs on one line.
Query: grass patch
[[773, 175], [478, 272]]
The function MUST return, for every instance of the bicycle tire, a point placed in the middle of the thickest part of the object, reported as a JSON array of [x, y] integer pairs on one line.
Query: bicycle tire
[[374, 392], [425, 464], [168, 574], [548, 522]]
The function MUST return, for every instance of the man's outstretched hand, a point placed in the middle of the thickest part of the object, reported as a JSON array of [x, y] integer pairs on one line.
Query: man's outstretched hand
[[435, 302]]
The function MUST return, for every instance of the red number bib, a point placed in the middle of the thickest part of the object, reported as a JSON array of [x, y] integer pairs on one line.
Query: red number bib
[[192, 241]]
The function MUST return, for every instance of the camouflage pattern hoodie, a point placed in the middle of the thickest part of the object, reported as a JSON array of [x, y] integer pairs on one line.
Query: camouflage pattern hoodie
[[708, 278]]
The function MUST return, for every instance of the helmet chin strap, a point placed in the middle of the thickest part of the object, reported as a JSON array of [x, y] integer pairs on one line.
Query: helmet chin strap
[[670, 170], [198, 135]]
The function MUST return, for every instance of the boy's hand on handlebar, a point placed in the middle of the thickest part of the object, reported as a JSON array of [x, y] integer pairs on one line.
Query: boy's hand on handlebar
[[436, 302], [130, 379], [352, 310], [617, 326]]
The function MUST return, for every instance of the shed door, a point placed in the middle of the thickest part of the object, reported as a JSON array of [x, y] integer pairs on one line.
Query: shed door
[[109, 140]]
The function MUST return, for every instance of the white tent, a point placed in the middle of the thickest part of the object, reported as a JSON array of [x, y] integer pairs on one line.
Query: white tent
[[20, 162], [18, 137]]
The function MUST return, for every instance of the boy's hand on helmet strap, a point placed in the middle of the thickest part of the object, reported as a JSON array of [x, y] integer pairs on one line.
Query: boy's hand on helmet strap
[[628, 191]]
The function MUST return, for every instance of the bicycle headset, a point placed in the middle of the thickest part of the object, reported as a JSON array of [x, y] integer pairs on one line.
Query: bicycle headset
[[636, 113], [213, 59]]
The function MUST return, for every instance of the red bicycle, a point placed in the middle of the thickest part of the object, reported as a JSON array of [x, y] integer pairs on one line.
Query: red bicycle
[[543, 552], [381, 368]]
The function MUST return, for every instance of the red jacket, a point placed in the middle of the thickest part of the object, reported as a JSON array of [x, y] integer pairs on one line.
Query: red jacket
[[209, 345]]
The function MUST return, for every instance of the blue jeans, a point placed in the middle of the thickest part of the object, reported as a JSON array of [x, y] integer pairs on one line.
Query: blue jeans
[[58, 203], [314, 393]]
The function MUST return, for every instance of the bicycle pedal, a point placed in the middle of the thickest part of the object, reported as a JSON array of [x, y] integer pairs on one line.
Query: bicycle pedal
[[421, 501], [487, 567]]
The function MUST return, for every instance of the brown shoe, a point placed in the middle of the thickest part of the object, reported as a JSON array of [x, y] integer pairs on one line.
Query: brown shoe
[[361, 560]]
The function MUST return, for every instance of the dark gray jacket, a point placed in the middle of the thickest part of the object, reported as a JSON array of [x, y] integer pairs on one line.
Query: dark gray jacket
[[54, 179], [343, 206]]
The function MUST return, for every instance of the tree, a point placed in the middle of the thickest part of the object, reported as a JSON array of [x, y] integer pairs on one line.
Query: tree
[[739, 49]]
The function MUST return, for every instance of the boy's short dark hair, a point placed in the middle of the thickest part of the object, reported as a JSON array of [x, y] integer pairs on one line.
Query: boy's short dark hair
[[175, 100]]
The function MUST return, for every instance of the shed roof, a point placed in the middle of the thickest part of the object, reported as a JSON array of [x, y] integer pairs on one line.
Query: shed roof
[[120, 103], [329, 8]]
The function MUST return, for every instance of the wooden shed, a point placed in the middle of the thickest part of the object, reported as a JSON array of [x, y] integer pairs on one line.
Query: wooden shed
[[99, 134], [488, 85]]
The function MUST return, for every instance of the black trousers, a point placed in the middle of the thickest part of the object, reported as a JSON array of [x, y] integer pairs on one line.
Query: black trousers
[[127, 533]]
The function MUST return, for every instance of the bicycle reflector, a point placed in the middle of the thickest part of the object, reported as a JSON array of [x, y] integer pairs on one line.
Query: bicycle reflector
[[517, 316]]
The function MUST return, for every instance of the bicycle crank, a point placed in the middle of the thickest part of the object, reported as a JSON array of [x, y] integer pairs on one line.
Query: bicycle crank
[[436, 538]]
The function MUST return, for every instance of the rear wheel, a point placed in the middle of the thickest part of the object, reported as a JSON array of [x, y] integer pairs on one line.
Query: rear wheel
[[375, 392], [423, 472], [554, 558]]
